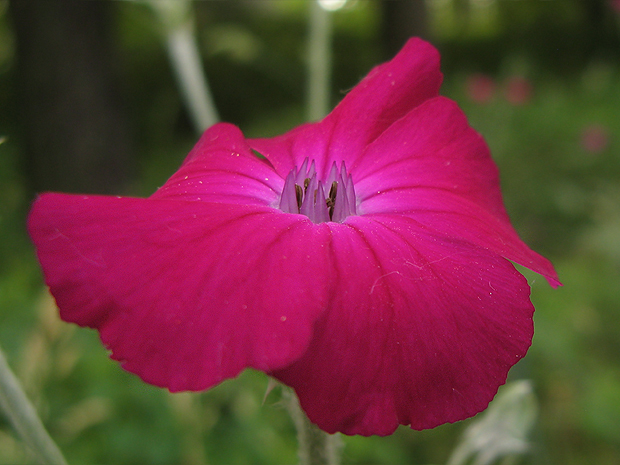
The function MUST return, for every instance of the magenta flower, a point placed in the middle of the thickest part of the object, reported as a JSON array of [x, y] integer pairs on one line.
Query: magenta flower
[[365, 261]]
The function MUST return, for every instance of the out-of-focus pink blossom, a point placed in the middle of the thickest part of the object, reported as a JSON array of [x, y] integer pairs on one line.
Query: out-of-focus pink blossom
[[595, 138], [518, 90], [480, 88]]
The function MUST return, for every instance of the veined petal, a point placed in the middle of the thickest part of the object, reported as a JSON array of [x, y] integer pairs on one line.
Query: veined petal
[[222, 168], [386, 94], [421, 330], [432, 167], [184, 293]]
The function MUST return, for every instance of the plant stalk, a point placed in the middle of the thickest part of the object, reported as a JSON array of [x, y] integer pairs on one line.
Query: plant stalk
[[319, 62], [177, 17], [24, 418], [316, 447]]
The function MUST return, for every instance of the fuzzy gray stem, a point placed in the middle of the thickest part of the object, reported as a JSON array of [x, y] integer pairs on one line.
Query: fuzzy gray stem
[[319, 62], [24, 418], [186, 62], [316, 447]]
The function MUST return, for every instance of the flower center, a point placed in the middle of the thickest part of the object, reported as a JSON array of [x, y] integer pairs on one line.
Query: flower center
[[330, 200]]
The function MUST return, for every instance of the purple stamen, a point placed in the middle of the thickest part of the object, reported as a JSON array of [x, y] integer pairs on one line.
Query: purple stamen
[[321, 201]]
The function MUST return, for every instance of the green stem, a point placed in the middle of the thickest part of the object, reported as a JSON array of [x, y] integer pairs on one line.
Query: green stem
[[316, 447], [319, 62], [24, 418]]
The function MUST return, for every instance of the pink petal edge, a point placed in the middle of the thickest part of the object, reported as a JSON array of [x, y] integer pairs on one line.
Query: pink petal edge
[[432, 167], [387, 93], [183, 292], [418, 337], [222, 168]]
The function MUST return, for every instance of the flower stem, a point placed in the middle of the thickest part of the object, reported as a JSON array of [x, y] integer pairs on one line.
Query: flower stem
[[316, 447], [24, 418], [319, 62], [185, 59], [178, 20]]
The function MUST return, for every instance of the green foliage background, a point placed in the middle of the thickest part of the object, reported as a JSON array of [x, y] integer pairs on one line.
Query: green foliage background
[[564, 200]]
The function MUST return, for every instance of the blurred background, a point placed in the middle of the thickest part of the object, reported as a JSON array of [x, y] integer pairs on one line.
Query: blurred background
[[89, 103]]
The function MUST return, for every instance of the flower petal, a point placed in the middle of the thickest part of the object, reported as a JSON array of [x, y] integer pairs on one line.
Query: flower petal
[[422, 330], [434, 168], [222, 168], [386, 94], [184, 293]]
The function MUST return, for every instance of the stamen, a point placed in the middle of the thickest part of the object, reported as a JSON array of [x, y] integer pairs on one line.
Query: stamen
[[304, 193], [299, 194], [331, 198]]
